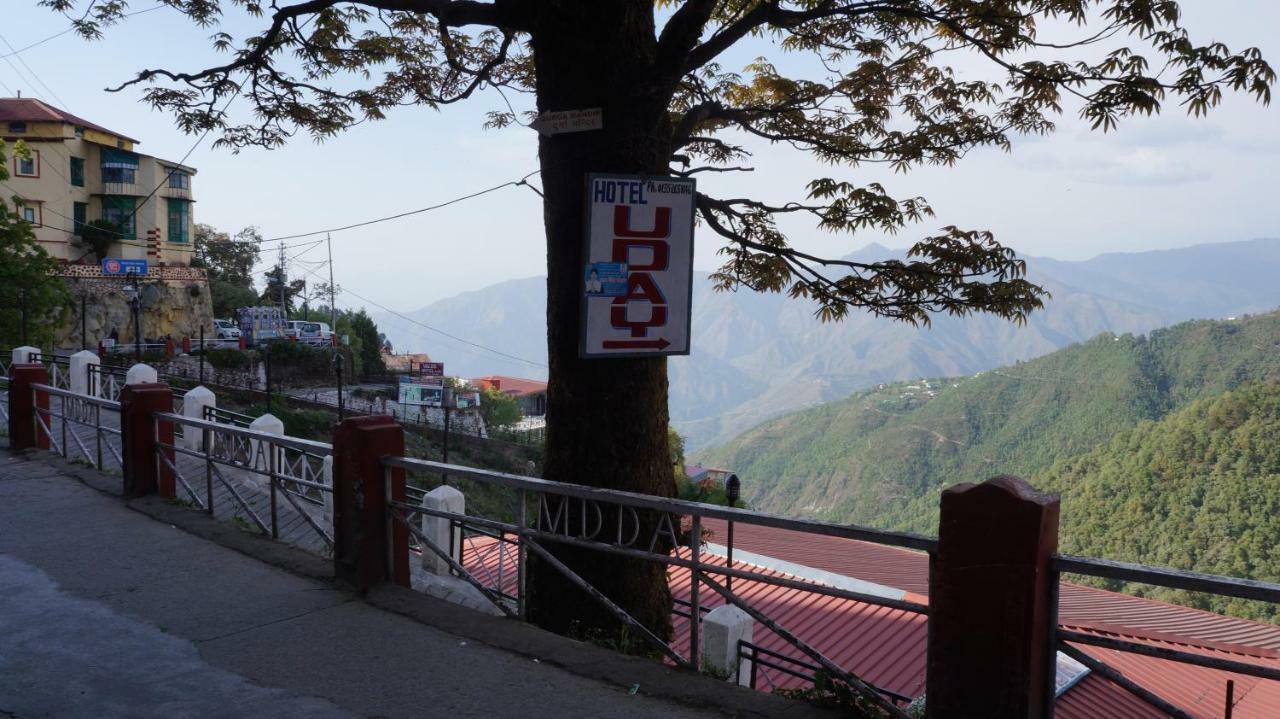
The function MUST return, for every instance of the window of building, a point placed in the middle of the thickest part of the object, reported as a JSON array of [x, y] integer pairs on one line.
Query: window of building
[[123, 175], [119, 166], [79, 131], [119, 210], [179, 180], [17, 127], [31, 214], [79, 215], [77, 171], [27, 166], [179, 220]]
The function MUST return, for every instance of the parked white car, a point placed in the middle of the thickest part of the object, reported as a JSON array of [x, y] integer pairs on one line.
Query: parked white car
[[226, 330], [316, 333]]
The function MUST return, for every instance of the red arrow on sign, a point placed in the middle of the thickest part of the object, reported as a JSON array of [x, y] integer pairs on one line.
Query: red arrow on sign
[[660, 344]]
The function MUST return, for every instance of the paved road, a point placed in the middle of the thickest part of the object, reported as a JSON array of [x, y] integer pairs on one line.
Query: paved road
[[105, 612]]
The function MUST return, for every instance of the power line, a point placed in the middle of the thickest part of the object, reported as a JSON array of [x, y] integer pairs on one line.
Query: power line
[[57, 35], [33, 72], [437, 330], [510, 183]]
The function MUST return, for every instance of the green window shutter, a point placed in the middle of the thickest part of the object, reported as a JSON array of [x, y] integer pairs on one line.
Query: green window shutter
[[179, 218], [79, 214], [120, 209], [77, 171]]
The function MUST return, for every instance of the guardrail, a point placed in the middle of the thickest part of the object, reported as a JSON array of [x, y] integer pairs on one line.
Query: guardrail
[[1063, 639], [77, 409], [293, 468], [555, 506]]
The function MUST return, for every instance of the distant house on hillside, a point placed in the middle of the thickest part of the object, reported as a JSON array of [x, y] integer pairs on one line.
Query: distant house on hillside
[[405, 362], [706, 476], [531, 394]]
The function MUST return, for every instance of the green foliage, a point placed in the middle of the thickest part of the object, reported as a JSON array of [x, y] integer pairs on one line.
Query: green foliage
[[229, 262], [228, 358], [498, 409], [27, 285], [835, 694], [99, 236], [883, 456], [302, 423], [369, 350], [271, 293]]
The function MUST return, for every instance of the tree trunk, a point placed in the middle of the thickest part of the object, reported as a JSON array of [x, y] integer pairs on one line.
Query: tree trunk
[[606, 418]]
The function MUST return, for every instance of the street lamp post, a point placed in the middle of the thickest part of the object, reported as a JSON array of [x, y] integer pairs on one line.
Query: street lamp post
[[133, 294], [450, 402]]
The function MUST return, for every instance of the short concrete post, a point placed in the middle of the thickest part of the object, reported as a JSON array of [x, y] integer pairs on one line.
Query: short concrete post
[[22, 355], [141, 374], [144, 473], [326, 476], [441, 530], [193, 404], [268, 424], [989, 602], [722, 629], [79, 366], [23, 403], [368, 546]]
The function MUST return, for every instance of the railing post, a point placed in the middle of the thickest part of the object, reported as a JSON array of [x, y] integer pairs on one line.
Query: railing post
[[23, 403], [444, 532], [139, 435], [369, 547], [989, 604]]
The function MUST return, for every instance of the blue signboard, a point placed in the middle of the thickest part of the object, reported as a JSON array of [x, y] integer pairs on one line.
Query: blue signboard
[[116, 266]]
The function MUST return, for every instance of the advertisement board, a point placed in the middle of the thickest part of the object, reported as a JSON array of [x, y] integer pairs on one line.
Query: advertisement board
[[413, 394], [637, 280], [114, 266]]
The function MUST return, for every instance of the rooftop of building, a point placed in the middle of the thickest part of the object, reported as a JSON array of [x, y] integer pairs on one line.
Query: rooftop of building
[[30, 109], [514, 386]]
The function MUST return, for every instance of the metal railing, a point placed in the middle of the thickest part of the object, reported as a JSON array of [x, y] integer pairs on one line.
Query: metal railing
[[59, 368], [1063, 639], [226, 416], [642, 527], [294, 469], [72, 410]]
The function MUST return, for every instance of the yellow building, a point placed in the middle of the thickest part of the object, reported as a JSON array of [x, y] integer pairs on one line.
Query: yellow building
[[79, 172]]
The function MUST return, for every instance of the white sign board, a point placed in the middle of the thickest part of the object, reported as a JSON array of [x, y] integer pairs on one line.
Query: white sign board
[[556, 123], [637, 281]]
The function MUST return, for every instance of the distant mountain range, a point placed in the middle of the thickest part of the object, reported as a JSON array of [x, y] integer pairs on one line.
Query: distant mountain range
[[758, 356], [1165, 448]]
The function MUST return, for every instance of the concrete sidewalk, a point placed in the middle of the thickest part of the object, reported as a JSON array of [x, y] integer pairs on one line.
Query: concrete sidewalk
[[106, 612]]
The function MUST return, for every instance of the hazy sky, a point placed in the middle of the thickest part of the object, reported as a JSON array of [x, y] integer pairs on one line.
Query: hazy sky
[[1164, 182]]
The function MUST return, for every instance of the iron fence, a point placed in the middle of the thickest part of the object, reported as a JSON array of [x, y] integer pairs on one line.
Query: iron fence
[[547, 512], [239, 459], [74, 410]]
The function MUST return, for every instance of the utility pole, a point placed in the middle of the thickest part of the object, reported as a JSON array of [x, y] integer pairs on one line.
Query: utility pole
[[333, 308], [283, 307]]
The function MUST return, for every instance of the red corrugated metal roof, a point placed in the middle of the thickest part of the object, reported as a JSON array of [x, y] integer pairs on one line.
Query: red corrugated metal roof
[[514, 386], [29, 109], [887, 647]]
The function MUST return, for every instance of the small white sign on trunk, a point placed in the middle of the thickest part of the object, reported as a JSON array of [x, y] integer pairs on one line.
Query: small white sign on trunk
[[556, 123], [637, 281]]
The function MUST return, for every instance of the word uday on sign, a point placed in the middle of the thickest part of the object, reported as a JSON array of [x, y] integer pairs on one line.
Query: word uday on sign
[[638, 277], [556, 123]]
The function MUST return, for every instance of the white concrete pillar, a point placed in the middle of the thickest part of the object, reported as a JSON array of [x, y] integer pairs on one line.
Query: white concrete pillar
[[270, 424], [193, 404], [441, 530], [326, 476], [141, 374], [22, 355], [80, 362], [722, 629]]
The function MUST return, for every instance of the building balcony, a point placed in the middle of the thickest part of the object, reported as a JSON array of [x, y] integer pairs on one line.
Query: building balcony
[[177, 193], [122, 188]]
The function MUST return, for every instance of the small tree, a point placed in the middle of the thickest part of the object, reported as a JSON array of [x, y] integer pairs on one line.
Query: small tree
[[33, 300], [499, 409], [99, 236], [229, 262]]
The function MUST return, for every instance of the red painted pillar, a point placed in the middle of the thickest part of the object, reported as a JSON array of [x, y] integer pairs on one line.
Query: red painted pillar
[[143, 472], [368, 546], [989, 602], [168, 346], [186, 345], [23, 433]]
